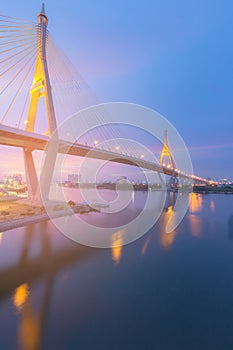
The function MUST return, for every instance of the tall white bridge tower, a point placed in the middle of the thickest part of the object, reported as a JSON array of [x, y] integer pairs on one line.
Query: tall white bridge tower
[[41, 88]]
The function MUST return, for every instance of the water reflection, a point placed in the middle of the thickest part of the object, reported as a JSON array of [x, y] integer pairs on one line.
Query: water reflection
[[195, 207], [171, 199], [18, 281], [32, 321], [195, 225], [212, 205], [32, 283], [117, 245], [29, 328], [195, 222], [146, 244], [1, 236], [195, 203], [230, 227], [133, 197], [20, 296], [167, 239]]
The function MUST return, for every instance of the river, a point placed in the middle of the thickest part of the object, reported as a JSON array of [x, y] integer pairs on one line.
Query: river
[[163, 291]]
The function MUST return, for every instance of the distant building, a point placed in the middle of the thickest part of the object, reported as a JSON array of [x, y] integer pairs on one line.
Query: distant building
[[74, 178], [122, 179], [13, 180]]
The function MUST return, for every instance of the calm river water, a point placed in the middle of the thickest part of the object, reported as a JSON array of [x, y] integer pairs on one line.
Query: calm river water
[[162, 292]]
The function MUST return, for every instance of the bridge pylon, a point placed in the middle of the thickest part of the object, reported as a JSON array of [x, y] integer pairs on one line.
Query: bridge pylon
[[41, 88], [166, 151], [164, 156]]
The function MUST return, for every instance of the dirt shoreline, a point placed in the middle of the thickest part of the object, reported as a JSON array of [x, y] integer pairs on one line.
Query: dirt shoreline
[[14, 215]]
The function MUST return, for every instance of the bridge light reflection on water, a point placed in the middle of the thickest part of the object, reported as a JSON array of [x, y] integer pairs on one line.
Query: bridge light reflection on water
[[117, 245], [195, 225], [195, 208], [167, 239], [212, 205], [50, 280], [20, 296], [195, 203], [146, 244]]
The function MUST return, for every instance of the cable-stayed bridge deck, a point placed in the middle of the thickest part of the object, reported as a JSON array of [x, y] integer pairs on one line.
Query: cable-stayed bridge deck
[[14, 137]]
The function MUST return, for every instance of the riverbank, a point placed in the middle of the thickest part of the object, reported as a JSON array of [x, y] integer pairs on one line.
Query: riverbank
[[213, 189], [124, 186], [16, 214]]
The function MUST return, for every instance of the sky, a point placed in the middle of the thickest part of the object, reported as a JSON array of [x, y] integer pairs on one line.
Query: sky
[[174, 56]]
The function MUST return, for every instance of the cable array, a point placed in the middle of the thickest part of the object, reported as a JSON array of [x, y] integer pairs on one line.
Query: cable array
[[71, 94], [18, 53]]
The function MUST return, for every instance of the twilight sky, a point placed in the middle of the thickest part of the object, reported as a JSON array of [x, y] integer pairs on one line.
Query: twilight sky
[[174, 56]]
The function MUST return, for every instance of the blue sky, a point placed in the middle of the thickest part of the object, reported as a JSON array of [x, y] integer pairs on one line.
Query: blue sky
[[173, 56]]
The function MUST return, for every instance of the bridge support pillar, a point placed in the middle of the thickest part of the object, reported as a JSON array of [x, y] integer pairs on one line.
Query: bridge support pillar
[[48, 167], [31, 176], [173, 183]]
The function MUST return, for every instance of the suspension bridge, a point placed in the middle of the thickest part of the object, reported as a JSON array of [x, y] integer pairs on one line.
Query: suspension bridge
[[32, 70]]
